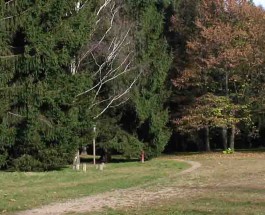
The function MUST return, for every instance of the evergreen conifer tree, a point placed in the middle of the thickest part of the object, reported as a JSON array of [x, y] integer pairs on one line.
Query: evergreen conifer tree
[[39, 41], [151, 96]]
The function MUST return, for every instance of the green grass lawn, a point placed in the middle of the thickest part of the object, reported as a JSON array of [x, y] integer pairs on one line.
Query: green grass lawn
[[20, 191]]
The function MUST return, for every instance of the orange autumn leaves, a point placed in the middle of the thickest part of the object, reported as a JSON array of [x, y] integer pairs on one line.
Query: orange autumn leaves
[[228, 44], [229, 33]]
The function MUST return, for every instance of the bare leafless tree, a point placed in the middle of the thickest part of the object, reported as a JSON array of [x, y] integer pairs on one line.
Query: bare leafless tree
[[113, 56]]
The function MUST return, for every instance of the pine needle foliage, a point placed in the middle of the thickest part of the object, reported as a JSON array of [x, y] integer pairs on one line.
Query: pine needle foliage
[[152, 94], [39, 115]]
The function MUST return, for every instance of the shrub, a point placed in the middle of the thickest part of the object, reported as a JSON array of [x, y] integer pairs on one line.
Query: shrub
[[228, 151], [26, 163]]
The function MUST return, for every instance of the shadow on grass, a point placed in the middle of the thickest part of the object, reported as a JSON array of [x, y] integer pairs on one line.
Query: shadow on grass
[[60, 168], [255, 150], [244, 151], [83, 159], [114, 159]]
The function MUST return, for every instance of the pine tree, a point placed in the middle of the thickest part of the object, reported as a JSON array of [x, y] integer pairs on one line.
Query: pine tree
[[38, 42], [151, 96]]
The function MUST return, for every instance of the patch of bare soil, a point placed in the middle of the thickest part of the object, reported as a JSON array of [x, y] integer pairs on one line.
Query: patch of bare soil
[[212, 175]]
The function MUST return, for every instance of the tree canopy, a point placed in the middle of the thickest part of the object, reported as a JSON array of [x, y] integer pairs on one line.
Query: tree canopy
[[148, 74]]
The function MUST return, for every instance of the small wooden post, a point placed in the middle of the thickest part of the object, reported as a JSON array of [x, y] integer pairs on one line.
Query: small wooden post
[[142, 157], [84, 167], [101, 166], [76, 163], [94, 145]]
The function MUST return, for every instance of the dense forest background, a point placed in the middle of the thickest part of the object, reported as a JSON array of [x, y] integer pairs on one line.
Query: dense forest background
[[152, 76]]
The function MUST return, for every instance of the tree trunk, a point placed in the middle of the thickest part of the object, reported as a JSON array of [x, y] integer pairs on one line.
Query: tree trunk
[[224, 137], [232, 137], [183, 144], [105, 156], [207, 139], [226, 83]]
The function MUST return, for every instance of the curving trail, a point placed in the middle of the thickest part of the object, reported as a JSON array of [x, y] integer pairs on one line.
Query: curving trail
[[119, 198], [194, 165]]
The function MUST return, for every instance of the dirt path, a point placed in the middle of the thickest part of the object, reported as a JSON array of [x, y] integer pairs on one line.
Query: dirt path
[[119, 198], [224, 184], [194, 165]]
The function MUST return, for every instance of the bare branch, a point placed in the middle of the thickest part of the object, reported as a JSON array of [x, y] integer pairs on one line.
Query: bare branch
[[111, 74], [113, 66], [11, 17], [100, 102], [41, 118], [121, 103], [115, 98], [103, 6], [110, 79], [8, 2], [103, 37], [8, 56], [15, 114]]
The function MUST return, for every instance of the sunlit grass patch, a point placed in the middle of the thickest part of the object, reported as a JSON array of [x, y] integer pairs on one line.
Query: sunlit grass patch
[[19, 190]]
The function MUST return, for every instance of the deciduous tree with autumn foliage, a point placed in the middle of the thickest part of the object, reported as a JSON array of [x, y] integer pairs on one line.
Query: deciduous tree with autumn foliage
[[226, 58]]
